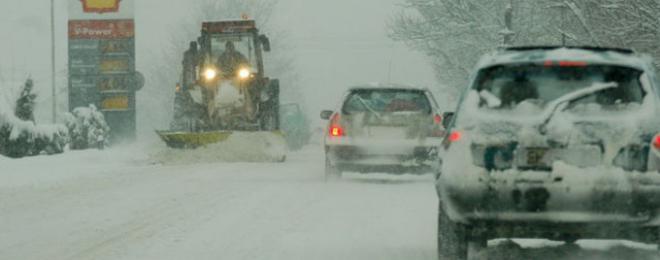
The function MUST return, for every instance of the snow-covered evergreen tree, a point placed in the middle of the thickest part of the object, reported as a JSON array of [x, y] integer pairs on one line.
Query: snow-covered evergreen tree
[[19, 134], [21, 143], [26, 102]]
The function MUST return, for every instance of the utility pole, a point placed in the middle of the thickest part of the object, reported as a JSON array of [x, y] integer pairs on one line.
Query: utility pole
[[508, 32], [52, 60], [563, 24], [563, 6]]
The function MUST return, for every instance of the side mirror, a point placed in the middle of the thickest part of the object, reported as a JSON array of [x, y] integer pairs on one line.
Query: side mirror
[[326, 114], [265, 42], [447, 117]]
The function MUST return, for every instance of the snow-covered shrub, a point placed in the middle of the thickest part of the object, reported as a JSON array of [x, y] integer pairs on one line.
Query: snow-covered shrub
[[50, 138], [19, 134], [87, 128]]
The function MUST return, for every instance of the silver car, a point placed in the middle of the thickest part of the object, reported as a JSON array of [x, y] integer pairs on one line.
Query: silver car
[[388, 129], [552, 142]]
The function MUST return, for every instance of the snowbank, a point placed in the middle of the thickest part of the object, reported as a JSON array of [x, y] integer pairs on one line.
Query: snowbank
[[45, 171], [240, 147]]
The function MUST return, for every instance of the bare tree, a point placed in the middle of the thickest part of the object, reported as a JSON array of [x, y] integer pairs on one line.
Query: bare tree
[[454, 33], [633, 23]]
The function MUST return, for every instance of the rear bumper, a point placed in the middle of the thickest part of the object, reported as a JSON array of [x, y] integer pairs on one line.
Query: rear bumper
[[564, 197], [567, 231], [412, 158], [384, 168]]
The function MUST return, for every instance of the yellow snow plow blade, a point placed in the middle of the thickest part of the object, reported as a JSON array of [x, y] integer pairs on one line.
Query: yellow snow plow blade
[[227, 146], [192, 139]]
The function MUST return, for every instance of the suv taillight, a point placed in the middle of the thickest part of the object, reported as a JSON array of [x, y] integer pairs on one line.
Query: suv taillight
[[335, 127], [455, 136]]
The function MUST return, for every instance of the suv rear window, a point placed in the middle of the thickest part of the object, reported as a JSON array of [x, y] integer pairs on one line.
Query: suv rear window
[[386, 101], [540, 84]]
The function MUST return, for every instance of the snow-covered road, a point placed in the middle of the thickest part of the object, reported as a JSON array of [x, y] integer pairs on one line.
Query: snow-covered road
[[128, 209], [117, 205]]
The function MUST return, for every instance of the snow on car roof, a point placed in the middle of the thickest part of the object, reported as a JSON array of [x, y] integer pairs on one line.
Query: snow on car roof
[[542, 54], [376, 85]]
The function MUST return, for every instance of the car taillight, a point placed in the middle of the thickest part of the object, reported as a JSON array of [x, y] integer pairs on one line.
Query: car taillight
[[335, 128], [656, 142], [336, 131], [438, 129], [437, 119]]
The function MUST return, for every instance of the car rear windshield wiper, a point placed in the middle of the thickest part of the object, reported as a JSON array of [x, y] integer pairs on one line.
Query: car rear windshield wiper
[[572, 96], [364, 103]]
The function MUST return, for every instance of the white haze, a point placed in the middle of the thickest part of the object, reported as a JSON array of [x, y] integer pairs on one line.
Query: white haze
[[336, 43]]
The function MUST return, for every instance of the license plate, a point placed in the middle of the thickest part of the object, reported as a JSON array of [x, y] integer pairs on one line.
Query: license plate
[[387, 132], [535, 156]]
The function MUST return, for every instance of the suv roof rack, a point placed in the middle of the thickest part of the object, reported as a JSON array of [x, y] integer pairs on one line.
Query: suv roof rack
[[589, 48]]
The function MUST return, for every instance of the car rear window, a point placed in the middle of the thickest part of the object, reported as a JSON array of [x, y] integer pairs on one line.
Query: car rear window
[[542, 83], [386, 101]]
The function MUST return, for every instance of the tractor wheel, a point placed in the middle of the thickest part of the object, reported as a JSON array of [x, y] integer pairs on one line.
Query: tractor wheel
[[269, 122], [657, 238]]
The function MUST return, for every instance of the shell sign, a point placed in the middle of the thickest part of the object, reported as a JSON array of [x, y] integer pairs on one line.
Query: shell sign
[[100, 6]]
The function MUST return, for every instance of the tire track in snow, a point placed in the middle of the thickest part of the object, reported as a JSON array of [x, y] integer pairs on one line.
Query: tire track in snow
[[174, 216]]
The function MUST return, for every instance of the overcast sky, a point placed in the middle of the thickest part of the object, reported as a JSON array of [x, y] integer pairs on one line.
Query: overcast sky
[[338, 44]]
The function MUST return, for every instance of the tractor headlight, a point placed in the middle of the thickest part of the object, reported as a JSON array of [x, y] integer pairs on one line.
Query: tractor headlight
[[244, 73], [210, 74]]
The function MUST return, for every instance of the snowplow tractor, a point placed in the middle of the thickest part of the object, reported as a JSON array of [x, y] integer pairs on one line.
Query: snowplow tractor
[[224, 91]]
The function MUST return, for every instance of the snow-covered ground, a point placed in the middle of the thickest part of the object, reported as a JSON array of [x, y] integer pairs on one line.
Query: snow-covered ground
[[120, 204]]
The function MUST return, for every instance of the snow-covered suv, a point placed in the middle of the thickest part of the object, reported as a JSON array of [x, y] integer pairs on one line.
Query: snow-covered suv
[[552, 142]]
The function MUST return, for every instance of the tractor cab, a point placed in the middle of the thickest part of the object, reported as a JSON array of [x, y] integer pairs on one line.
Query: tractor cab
[[232, 50], [205, 62]]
